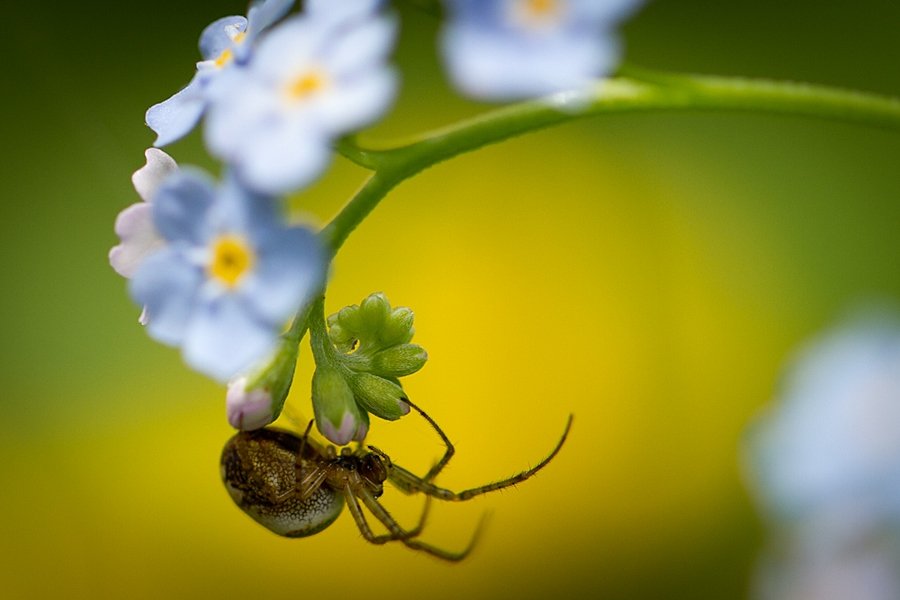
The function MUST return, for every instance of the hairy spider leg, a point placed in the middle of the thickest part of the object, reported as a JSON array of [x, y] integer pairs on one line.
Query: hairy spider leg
[[307, 481], [408, 481], [410, 533], [397, 533], [448, 453]]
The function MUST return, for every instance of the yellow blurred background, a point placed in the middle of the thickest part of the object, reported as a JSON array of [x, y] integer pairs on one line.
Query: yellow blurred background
[[648, 273]]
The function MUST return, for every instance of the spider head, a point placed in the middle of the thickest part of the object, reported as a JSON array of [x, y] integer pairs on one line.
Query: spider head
[[374, 472]]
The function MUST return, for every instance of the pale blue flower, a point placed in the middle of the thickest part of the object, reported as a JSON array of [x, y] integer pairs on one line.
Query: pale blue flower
[[224, 44], [229, 276], [313, 79], [134, 225], [512, 49], [829, 448], [803, 569], [825, 465]]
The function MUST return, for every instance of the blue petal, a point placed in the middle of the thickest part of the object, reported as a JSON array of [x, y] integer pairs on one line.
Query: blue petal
[[174, 118], [166, 284], [494, 65], [290, 269], [241, 209], [215, 39], [283, 156], [342, 10], [224, 339], [264, 13], [362, 46], [181, 204]]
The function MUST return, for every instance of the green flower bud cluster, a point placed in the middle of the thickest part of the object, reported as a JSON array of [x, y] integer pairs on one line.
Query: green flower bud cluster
[[371, 351], [373, 338]]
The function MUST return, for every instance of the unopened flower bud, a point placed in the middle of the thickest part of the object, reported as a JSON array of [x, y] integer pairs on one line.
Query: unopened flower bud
[[399, 361], [348, 317], [374, 312], [248, 410], [245, 398], [379, 396], [399, 327], [343, 339], [338, 417]]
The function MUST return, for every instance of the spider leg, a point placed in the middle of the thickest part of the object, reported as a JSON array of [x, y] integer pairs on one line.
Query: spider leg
[[363, 524], [448, 453], [308, 481], [408, 481], [397, 532]]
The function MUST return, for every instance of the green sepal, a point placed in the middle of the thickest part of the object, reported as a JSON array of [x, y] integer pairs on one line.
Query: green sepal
[[338, 416], [379, 396], [399, 327], [399, 361], [277, 376]]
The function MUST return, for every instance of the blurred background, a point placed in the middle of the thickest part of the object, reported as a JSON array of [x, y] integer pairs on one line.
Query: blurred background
[[648, 273]]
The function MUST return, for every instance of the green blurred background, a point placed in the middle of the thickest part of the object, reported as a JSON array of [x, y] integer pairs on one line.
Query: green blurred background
[[648, 273]]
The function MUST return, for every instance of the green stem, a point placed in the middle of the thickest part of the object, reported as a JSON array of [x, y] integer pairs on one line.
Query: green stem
[[318, 334], [367, 198], [635, 90]]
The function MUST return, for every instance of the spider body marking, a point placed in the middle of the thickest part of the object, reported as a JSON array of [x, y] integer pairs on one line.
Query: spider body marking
[[296, 487]]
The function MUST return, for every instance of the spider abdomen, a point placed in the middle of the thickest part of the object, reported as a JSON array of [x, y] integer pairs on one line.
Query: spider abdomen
[[259, 471]]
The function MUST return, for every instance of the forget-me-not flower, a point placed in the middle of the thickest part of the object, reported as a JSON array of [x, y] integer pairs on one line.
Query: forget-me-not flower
[[312, 79], [512, 49], [829, 449], [229, 277], [134, 225], [223, 44], [825, 465]]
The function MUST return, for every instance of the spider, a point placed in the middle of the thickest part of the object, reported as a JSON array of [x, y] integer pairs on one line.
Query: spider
[[296, 487]]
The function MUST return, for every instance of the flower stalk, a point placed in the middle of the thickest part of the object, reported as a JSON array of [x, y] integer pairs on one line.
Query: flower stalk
[[635, 90]]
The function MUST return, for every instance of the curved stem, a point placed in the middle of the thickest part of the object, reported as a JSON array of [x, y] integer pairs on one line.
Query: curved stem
[[635, 90], [359, 207], [318, 334]]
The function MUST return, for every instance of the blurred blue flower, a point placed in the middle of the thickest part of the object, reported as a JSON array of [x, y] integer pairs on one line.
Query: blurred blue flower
[[513, 49], [223, 44], [804, 569], [824, 462], [134, 225], [312, 79], [229, 277], [831, 443]]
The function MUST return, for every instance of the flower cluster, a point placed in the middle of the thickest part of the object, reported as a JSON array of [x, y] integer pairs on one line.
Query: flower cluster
[[825, 462], [216, 265], [276, 97]]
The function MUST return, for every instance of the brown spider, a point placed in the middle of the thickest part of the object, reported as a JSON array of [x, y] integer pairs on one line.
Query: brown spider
[[295, 487]]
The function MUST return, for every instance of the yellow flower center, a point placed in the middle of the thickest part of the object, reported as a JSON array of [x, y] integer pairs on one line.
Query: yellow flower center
[[537, 13], [226, 57], [541, 8], [227, 54], [231, 259], [306, 85]]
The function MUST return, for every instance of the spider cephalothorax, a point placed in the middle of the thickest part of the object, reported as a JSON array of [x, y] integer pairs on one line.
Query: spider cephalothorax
[[296, 487]]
